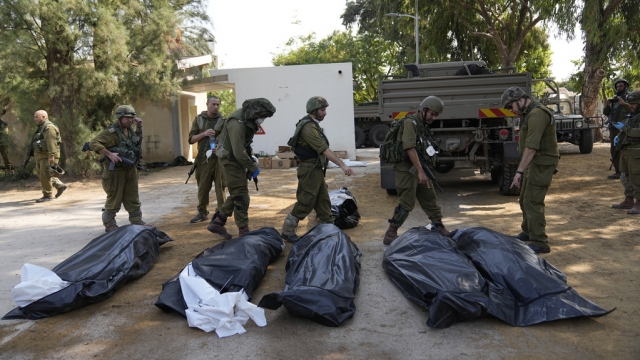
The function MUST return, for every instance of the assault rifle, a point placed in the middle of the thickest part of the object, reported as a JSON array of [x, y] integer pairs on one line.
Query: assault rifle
[[427, 171], [112, 165], [29, 155], [195, 163]]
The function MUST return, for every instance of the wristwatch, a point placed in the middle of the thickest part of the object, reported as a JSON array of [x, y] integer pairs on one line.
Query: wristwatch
[[520, 172]]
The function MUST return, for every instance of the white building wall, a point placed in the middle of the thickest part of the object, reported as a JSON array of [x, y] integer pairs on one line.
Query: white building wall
[[289, 88]]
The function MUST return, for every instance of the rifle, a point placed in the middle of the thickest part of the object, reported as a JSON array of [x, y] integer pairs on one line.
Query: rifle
[[112, 165], [427, 171], [195, 163], [29, 155]]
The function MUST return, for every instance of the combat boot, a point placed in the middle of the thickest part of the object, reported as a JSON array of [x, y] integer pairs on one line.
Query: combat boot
[[522, 236], [243, 230], [200, 216], [216, 225], [289, 228], [44, 198], [440, 229], [110, 227], [61, 189], [626, 204], [139, 223], [390, 235], [635, 209]]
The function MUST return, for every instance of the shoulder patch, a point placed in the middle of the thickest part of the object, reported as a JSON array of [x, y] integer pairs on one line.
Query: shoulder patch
[[112, 130]]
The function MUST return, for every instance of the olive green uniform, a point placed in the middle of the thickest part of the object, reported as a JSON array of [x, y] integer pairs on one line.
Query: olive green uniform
[[618, 114], [4, 144], [629, 139], [121, 183], [236, 160], [46, 142], [538, 132], [414, 134], [312, 193], [208, 171]]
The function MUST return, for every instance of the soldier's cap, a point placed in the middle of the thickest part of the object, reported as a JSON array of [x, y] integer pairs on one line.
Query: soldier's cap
[[125, 110], [634, 97], [315, 103], [620, 80], [512, 94], [257, 108]]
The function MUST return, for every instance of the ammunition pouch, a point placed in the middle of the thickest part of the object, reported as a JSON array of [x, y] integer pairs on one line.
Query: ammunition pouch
[[304, 153]]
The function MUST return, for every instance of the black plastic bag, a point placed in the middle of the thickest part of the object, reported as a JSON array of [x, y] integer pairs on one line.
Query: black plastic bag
[[344, 208], [232, 265], [98, 270], [524, 289], [323, 270], [429, 271]]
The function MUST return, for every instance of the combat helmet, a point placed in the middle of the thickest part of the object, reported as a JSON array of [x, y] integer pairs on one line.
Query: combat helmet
[[434, 103], [55, 170], [634, 97], [512, 94], [316, 103], [622, 81], [257, 108], [125, 110]]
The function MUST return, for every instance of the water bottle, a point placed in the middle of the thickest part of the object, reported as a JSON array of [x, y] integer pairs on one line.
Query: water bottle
[[212, 142]]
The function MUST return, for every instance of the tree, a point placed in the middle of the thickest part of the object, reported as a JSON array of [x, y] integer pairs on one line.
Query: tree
[[371, 57], [462, 29], [80, 58]]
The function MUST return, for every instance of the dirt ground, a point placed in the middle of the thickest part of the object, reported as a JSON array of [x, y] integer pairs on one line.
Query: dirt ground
[[597, 247]]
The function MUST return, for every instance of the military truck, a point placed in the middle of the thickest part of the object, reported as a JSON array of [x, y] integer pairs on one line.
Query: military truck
[[473, 132]]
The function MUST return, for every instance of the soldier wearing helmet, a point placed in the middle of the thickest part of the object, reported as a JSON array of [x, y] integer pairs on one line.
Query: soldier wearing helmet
[[311, 146], [208, 169], [411, 181], [539, 149], [234, 152], [628, 144], [616, 109], [46, 150], [118, 141]]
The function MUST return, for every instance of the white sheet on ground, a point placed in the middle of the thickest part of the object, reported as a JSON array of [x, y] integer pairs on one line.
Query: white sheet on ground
[[209, 310], [36, 283], [349, 163]]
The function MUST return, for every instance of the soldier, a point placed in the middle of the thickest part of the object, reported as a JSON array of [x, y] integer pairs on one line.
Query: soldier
[[46, 150], [411, 181], [208, 170], [4, 144], [539, 148], [235, 136], [118, 141], [628, 141], [311, 147], [617, 111]]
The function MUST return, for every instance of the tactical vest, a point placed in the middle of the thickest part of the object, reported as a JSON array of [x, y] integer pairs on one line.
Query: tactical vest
[[392, 149], [223, 149], [130, 148], [618, 112], [303, 152], [546, 145], [39, 142], [201, 121], [633, 121]]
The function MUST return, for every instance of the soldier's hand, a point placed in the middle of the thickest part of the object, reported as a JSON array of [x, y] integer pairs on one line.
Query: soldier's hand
[[114, 158], [51, 160], [347, 171], [424, 180], [517, 181], [138, 121], [209, 132]]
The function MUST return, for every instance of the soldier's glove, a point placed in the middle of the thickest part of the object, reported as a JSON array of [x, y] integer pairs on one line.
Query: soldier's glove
[[615, 141], [618, 125]]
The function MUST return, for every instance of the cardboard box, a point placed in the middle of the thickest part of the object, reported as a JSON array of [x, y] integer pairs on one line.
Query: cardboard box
[[284, 148], [280, 163], [286, 155], [264, 162], [342, 154], [294, 162]]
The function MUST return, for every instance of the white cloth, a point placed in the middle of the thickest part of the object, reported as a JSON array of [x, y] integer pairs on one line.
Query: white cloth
[[209, 310], [349, 163], [36, 283]]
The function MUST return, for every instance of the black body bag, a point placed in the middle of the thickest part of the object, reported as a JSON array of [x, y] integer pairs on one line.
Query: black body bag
[[232, 265], [98, 270], [344, 208], [323, 270]]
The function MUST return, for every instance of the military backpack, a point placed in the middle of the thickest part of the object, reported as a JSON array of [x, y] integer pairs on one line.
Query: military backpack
[[391, 150]]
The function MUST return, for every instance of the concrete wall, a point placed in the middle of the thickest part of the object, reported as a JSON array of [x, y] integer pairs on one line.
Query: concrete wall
[[289, 88]]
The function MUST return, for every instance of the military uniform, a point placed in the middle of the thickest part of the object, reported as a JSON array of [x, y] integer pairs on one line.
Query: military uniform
[[538, 132], [414, 134], [235, 136], [617, 113], [121, 183], [312, 193], [46, 143], [4, 145], [629, 139], [208, 171]]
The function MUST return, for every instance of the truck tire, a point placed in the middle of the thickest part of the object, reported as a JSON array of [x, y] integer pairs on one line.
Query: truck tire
[[586, 141], [377, 134], [506, 178], [360, 137]]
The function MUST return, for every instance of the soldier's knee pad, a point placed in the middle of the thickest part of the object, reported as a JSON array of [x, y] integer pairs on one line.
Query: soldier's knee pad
[[290, 225], [108, 218], [241, 203]]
